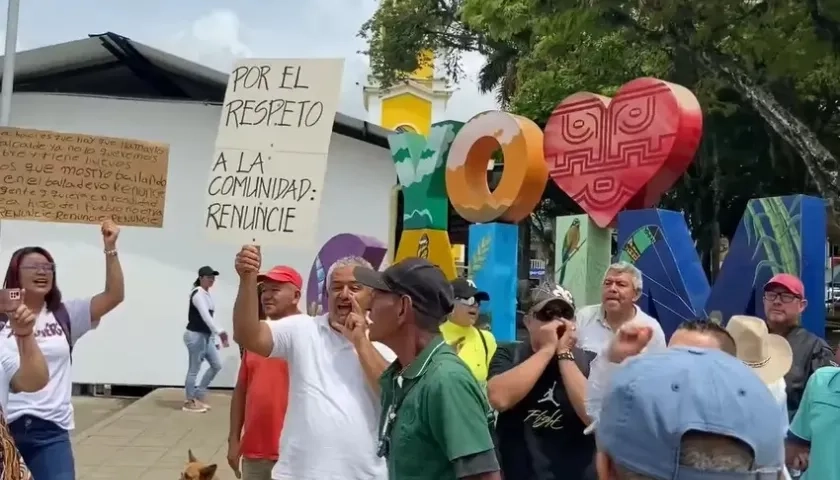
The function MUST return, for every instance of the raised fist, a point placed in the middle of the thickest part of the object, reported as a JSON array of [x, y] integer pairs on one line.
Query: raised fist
[[248, 261], [631, 339]]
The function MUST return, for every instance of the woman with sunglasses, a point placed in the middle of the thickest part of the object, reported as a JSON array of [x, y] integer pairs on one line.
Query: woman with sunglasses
[[41, 421], [475, 346]]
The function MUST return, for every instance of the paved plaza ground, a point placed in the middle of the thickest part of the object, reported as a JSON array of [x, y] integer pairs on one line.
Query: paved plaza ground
[[148, 439]]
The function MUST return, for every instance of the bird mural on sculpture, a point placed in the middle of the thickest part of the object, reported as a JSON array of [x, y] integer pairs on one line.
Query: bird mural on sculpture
[[571, 244]]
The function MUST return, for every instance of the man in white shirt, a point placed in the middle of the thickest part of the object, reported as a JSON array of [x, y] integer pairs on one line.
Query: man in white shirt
[[597, 324], [330, 432], [635, 337]]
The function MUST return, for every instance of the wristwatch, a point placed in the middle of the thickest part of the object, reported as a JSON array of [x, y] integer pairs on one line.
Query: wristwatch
[[566, 355]]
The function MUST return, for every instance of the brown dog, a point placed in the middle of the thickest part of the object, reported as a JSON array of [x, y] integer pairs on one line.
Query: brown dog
[[196, 470]]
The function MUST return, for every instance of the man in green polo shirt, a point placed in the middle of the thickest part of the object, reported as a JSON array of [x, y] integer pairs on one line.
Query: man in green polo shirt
[[435, 421]]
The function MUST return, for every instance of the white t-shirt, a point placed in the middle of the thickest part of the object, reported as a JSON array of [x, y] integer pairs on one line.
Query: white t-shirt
[[53, 402], [9, 365], [331, 427]]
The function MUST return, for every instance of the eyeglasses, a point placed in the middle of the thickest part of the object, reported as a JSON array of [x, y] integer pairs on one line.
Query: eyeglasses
[[39, 267], [786, 297], [469, 302]]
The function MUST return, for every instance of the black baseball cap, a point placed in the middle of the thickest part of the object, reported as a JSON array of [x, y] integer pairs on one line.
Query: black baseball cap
[[419, 279], [463, 288], [206, 271]]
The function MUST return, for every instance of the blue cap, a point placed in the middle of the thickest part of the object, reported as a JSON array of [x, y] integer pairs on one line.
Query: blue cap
[[656, 398]]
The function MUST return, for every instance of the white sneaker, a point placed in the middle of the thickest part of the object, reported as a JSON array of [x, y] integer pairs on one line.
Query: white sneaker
[[193, 407]]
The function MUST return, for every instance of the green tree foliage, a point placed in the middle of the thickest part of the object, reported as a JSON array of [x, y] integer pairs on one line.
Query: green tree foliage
[[766, 72]]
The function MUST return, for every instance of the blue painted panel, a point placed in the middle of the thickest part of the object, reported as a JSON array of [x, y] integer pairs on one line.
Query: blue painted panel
[[493, 266], [776, 235]]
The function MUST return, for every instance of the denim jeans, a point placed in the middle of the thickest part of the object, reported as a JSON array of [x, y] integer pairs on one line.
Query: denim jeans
[[45, 447], [200, 347]]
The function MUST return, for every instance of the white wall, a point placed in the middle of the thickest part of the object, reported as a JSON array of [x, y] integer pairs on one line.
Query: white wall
[[140, 343]]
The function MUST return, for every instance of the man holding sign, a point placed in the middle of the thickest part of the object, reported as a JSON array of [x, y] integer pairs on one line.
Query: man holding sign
[[331, 422]]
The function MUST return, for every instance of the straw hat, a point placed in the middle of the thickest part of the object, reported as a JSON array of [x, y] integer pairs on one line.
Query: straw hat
[[769, 355]]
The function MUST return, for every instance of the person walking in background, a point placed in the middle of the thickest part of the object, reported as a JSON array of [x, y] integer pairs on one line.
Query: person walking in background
[[475, 346], [769, 356], [621, 289], [539, 389], [41, 421], [784, 302], [334, 369], [200, 341], [436, 421], [261, 394]]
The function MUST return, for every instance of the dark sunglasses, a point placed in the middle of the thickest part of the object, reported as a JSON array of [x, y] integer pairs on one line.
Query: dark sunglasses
[[552, 311], [469, 302]]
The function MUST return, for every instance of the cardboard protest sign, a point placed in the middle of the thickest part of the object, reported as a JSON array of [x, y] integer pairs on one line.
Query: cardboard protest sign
[[75, 178], [267, 173]]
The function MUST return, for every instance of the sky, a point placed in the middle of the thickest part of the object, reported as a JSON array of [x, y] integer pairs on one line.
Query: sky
[[217, 32]]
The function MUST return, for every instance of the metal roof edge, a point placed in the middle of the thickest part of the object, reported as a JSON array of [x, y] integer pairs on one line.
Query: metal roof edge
[[343, 125]]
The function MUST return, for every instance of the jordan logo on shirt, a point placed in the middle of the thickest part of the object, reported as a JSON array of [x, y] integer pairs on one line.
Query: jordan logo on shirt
[[546, 418], [549, 396]]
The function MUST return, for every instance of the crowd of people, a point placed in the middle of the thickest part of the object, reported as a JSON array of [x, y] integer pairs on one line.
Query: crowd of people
[[395, 380]]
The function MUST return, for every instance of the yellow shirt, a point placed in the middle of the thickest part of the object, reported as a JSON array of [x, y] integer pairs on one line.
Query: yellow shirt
[[472, 350]]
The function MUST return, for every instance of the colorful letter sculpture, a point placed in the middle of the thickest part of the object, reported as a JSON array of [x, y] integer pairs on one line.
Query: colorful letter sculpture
[[776, 235], [625, 152], [420, 164], [492, 256], [338, 247], [433, 245], [582, 255], [493, 247], [525, 172]]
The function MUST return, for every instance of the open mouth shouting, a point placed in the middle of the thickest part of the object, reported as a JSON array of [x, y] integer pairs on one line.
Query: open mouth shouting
[[343, 309], [41, 283]]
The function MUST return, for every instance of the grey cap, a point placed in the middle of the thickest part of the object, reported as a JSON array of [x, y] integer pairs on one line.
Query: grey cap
[[547, 292]]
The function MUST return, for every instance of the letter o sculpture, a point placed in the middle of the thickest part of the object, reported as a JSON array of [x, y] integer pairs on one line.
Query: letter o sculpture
[[524, 176]]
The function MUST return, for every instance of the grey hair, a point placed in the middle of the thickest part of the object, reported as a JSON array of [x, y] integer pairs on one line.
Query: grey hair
[[625, 267], [706, 452], [351, 261]]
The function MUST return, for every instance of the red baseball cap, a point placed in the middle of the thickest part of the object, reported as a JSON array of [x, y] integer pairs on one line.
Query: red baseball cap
[[282, 274], [788, 281]]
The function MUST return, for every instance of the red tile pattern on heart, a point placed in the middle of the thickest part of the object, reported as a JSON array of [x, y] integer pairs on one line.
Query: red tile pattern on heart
[[608, 154]]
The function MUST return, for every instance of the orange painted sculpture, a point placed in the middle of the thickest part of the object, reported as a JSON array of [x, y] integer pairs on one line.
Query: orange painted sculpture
[[525, 170]]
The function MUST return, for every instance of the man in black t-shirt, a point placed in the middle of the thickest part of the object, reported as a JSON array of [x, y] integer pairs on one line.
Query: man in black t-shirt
[[539, 388]]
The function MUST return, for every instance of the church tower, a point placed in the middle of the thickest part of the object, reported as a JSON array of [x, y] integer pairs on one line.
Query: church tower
[[412, 105]]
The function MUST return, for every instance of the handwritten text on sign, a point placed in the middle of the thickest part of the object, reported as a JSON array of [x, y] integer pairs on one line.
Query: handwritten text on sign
[[64, 177], [267, 174]]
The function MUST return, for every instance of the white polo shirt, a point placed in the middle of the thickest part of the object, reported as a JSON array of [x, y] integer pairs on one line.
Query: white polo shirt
[[332, 420], [594, 333]]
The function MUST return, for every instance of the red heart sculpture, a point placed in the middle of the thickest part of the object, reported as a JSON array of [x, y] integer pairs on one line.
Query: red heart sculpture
[[625, 152]]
